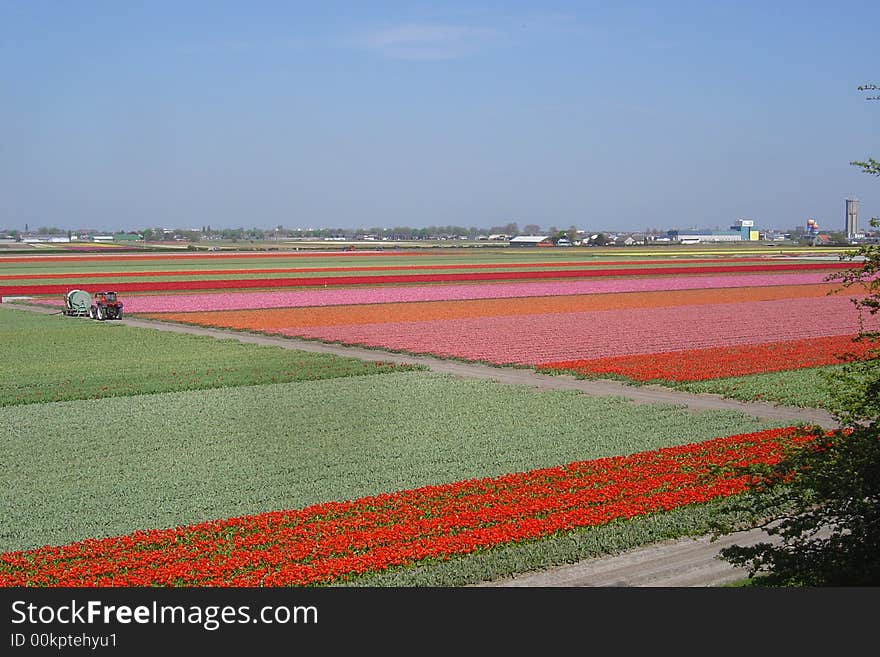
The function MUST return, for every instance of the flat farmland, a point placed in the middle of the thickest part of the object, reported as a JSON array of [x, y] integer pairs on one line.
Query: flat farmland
[[750, 318], [55, 359], [233, 464], [183, 457], [26, 275]]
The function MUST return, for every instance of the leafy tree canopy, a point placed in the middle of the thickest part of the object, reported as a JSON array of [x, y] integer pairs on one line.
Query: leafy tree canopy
[[820, 505]]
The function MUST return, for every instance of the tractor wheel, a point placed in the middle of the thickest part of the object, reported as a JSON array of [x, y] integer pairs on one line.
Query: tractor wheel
[[92, 312], [99, 314]]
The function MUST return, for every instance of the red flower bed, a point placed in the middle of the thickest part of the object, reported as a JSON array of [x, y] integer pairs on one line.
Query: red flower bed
[[723, 362], [329, 542], [139, 286]]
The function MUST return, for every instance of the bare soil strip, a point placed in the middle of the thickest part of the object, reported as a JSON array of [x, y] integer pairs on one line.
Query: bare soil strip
[[688, 562]]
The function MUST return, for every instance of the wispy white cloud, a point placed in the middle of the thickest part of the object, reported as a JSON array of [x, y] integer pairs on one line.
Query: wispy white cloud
[[427, 41], [471, 34]]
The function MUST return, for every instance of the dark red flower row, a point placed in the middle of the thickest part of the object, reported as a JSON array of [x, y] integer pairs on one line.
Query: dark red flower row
[[332, 541]]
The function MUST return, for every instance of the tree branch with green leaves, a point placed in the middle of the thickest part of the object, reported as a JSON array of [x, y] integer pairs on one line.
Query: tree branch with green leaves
[[822, 501]]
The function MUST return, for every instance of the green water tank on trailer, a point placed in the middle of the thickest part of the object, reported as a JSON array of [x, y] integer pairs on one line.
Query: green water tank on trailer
[[77, 302]]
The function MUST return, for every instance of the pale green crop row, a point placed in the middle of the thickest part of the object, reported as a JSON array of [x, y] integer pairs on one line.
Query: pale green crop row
[[53, 358], [806, 388]]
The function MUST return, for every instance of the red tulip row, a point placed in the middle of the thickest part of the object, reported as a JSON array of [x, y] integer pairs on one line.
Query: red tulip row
[[329, 542], [230, 284], [722, 362]]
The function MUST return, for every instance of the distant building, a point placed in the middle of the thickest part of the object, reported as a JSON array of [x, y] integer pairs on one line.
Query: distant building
[[45, 239], [852, 217], [126, 237], [699, 236], [531, 240], [746, 228]]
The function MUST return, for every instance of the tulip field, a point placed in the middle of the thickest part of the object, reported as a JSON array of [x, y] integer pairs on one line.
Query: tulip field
[[142, 457], [332, 540], [660, 326]]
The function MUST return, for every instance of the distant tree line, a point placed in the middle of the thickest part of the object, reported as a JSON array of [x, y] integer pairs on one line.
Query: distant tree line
[[379, 232], [451, 231]]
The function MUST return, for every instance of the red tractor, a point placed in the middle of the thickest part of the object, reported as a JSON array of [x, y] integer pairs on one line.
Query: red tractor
[[105, 305]]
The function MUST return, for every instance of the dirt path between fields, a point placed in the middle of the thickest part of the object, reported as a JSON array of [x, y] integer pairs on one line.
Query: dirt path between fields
[[510, 375], [688, 562], [515, 376]]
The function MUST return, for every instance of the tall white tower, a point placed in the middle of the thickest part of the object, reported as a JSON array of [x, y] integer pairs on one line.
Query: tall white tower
[[852, 217]]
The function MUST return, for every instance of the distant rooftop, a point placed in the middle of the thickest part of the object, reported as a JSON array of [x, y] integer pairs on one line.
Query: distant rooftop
[[530, 238], [704, 232]]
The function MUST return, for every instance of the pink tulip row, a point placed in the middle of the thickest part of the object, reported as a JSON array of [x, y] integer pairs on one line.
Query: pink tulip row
[[535, 339], [231, 300]]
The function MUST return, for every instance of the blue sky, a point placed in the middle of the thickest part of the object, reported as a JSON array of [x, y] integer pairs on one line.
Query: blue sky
[[603, 115]]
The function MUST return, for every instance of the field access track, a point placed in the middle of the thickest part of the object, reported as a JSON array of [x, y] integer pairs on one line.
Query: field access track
[[508, 375]]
